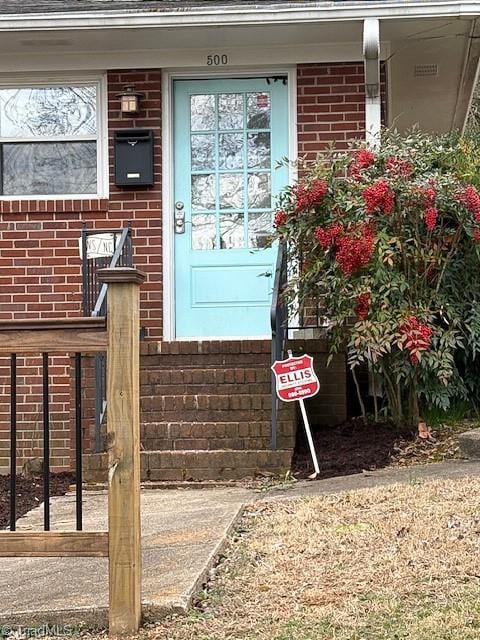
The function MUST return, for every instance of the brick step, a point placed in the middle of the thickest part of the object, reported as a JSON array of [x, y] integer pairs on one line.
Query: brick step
[[202, 347], [229, 347], [216, 435], [197, 465], [185, 388], [206, 415], [204, 361], [201, 402], [198, 379], [211, 353]]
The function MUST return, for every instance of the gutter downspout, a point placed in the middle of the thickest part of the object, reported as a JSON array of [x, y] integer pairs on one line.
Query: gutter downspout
[[371, 58]]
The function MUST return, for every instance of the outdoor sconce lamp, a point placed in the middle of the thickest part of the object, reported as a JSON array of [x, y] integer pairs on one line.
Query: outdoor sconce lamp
[[129, 100]]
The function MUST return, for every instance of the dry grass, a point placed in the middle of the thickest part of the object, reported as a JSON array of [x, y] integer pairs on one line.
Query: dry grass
[[392, 563]]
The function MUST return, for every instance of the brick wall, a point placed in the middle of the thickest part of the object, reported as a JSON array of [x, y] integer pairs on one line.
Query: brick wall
[[40, 270], [30, 413], [331, 105], [39, 263]]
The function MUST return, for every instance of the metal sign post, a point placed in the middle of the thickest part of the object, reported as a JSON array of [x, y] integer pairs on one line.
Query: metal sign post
[[295, 381]]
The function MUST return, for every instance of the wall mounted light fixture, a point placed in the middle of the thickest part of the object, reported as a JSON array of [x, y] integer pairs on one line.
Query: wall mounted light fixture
[[129, 100]]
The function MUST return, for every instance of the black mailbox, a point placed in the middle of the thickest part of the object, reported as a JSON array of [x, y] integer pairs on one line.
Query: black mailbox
[[134, 157]]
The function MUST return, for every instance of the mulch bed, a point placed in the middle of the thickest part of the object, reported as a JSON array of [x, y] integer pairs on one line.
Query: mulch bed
[[354, 447], [30, 493]]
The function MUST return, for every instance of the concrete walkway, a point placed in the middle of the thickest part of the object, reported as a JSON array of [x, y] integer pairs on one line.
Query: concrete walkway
[[183, 531], [451, 469]]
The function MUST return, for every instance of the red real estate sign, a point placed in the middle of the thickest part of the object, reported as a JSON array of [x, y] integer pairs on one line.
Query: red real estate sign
[[295, 378]]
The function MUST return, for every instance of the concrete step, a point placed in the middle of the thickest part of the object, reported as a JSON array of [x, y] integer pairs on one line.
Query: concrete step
[[197, 465]]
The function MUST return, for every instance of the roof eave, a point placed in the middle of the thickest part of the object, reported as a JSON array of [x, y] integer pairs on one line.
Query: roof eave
[[235, 16]]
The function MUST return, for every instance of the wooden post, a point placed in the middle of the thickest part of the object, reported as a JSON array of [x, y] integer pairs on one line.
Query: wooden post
[[123, 436]]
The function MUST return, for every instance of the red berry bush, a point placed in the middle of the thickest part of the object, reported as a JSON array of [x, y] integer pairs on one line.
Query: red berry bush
[[389, 240]]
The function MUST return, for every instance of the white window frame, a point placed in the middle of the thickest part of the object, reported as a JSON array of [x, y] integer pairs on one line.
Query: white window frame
[[100, 81]]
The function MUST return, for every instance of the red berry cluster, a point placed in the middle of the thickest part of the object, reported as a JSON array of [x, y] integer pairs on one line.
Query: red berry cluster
[[470, 198], [431, 215], [363, 305], [416, 337], [355, 250], [362, 159], [476, 235], [307, 196], [280, 218], [431, 192], [379, 196], [428, 194], [398, 167], [326, 236]]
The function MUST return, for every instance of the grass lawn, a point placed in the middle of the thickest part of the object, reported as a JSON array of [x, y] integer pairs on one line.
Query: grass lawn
[[392, 563]]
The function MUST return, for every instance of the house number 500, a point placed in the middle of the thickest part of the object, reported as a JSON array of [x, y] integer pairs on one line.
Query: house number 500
[[217, 60]]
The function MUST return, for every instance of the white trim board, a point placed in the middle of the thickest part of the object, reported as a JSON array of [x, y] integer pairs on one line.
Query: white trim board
[[190, 58], [168, 77]]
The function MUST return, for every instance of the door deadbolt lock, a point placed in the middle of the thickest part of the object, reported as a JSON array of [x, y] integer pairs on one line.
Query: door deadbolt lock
[[179, 217]]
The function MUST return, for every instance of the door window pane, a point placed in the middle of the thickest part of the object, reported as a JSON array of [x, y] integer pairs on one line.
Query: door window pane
[[259, 229], [230, 150], [230, 111], [231, 190], [259, 191], [232, 234], [258, 150], [237, 162], [204, 231], [203, 192], [258, 111], [203, 151], [48, 111], [49, 168], [202, 112]]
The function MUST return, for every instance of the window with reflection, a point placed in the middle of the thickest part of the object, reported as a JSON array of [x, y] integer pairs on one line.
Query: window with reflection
[[231, 170], [49, 140]]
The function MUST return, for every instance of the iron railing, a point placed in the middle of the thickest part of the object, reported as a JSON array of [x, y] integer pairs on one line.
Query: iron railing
[[95, 304], [279, 325], [95, 293], [286, 316], [45, 471]]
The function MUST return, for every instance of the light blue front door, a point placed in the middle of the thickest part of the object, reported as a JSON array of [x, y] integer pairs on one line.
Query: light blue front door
[[228, 137]]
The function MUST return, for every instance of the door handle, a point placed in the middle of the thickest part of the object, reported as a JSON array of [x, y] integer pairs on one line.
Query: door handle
[[179, 217]]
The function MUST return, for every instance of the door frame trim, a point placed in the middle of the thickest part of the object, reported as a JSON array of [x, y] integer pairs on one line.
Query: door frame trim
[[168, 256]]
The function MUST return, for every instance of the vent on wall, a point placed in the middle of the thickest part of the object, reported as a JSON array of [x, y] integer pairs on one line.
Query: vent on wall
[[422, 70]]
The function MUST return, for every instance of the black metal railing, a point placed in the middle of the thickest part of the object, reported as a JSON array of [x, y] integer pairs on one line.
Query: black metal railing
[[95, 304], [279, 325], [289, 314], [46, 441], [94, 292]]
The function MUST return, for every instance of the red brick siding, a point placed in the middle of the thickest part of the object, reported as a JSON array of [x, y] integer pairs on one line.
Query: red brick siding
[[40, 270], [39, 263], [30, 413], [331, 106]]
